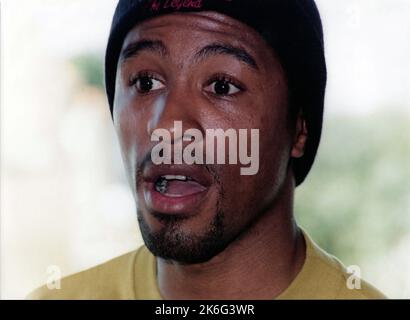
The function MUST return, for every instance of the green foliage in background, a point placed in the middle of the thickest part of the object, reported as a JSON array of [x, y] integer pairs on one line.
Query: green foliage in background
[[355, 203], [91, 68]]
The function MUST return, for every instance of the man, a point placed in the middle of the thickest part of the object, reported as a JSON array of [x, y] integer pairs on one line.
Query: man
[[211, 232]]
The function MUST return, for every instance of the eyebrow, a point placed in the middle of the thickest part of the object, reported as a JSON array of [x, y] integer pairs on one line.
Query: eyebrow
[[135, 48], [226, 49]]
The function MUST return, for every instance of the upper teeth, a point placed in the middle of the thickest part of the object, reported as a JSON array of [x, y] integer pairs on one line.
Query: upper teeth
[[161, 185], [172, 177]]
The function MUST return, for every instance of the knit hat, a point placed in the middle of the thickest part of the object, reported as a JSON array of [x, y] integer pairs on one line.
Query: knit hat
[[293, 28]]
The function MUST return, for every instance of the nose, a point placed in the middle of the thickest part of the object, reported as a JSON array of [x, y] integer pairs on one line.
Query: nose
[[175, 106]]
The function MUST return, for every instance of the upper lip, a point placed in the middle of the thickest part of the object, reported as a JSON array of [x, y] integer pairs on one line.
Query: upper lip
[[197, 173]]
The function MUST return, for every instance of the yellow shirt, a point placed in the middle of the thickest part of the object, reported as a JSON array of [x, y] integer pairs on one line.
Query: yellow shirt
[[133, 276]]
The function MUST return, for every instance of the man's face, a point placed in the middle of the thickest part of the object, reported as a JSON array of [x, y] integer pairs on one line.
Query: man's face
[[210, 72]]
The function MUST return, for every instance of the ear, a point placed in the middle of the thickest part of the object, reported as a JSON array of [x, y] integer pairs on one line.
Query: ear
[[301, 135]]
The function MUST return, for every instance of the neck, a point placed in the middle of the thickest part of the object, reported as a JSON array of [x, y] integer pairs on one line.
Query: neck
[[259, 265]]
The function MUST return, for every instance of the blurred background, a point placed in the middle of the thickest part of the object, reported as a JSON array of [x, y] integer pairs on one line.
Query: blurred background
[[64, 198]]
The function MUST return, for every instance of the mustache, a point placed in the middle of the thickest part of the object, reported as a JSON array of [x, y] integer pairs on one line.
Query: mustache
[[146, 162]]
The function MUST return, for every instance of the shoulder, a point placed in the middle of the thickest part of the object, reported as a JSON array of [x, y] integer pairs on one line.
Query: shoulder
[[339, 282], [323, 276], [114, 279]]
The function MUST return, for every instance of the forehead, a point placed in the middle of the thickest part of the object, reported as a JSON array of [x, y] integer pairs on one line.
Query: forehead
[[200, 27]]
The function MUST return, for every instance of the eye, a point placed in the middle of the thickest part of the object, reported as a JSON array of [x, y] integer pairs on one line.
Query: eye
[[223, 86], [146, 83]]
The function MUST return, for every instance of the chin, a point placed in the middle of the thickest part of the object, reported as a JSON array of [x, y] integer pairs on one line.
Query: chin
[[175, 241]]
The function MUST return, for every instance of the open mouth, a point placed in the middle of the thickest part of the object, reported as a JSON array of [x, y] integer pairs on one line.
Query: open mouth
[[176, 186], [176, 189]]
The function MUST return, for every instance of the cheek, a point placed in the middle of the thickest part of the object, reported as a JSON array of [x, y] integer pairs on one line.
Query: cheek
[[275, 141], [274, 151], [125, 126], [125, 116], [128, 118], [123, 123], [276, 137], [130, 133]]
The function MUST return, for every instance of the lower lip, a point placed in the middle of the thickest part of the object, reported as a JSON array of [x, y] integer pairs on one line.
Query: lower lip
[[186, 205]]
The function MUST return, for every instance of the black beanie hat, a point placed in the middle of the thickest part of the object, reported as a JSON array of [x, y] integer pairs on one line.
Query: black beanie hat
[[292, 27]]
